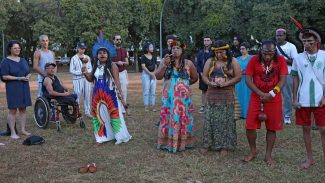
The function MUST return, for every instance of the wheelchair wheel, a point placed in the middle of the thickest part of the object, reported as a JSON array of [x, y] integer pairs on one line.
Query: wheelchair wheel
[[68, 114], [42, 112]]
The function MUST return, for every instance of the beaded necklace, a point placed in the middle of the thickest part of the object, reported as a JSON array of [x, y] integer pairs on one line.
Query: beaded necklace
[[267, 69], [311, 59], [224, 68]]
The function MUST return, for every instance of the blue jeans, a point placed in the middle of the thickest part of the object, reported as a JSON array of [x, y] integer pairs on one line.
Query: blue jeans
[[39, 89], [287, 97], [148, 89]]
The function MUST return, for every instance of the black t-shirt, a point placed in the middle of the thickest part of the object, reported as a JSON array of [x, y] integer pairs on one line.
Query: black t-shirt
[[166, 51], [55, 84], [149, 63]]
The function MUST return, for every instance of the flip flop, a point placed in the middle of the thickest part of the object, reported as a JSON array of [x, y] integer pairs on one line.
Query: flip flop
[[92, 168], [84, 169], [2, 144]]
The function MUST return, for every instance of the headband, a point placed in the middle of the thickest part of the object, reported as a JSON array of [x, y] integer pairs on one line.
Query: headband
[[220, 48]]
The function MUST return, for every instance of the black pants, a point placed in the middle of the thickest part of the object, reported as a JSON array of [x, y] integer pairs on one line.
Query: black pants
[[202, 85], [71, 99]]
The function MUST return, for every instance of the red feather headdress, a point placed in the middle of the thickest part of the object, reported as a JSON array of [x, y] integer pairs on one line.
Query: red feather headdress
[[302, 30]]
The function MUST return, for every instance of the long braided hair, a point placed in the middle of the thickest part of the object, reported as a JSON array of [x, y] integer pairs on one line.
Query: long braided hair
[[108, 64]]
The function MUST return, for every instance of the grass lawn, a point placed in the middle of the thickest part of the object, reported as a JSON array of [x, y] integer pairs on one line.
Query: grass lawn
[[59, 158]]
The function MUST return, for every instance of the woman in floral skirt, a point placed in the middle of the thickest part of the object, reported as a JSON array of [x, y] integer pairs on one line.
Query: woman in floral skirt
[[176, 114]]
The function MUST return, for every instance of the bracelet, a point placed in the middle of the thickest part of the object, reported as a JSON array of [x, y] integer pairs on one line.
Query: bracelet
[[19, 78], [276, 89], [272, 93]]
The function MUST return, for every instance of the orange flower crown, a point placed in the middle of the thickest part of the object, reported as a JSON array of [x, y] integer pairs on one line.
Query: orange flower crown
[[178, 43]]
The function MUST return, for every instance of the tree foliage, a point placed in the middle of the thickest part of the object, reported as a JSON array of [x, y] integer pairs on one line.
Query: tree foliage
[[69, 21]]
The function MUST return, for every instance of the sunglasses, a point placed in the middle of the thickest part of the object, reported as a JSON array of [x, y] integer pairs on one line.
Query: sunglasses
[[118, 39]]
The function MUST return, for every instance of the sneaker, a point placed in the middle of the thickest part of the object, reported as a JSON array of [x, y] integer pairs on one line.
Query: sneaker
[[287, 121], [201, 110]]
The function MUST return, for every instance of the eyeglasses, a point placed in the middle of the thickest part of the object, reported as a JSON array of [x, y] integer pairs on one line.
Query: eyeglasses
[[118, 39]]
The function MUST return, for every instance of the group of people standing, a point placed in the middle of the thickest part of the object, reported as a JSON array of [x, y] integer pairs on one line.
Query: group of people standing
[[225, 74], [105, 107], [276, 73]]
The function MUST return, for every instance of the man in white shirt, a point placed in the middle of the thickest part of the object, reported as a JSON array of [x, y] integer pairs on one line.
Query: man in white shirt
[[81, 86], [289, 51], [308, 70]]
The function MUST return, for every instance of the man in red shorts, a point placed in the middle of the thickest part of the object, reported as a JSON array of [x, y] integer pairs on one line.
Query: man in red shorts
[[265, 76], [308, 71]]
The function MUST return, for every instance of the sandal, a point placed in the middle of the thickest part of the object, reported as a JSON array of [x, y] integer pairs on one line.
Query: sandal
[[92, 168], [84, 169]]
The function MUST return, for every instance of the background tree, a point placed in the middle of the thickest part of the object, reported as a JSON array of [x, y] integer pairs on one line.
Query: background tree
[[68, 22]]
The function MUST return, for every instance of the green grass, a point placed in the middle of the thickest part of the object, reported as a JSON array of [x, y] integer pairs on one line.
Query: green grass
[[59, 158]]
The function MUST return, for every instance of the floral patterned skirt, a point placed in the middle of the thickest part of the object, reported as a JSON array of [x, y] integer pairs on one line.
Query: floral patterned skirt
[[176, 118], [219, 130]]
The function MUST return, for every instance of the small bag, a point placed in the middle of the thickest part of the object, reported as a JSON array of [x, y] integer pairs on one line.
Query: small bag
[[34, 140]]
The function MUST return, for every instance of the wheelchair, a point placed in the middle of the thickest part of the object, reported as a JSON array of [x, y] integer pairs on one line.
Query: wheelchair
[[48, 110]]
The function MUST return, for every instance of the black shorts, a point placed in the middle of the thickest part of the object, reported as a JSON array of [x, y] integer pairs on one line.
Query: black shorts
[[202, 85]]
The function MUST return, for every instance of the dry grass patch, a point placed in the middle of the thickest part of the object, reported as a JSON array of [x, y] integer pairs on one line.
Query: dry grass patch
[[59, 158]]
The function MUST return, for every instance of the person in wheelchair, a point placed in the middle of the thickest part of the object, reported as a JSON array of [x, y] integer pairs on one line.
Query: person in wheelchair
[[52, 88], [45, 109]]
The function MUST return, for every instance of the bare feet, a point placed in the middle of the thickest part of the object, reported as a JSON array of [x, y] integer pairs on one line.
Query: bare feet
[[223, 152], [307, 164], [14, 136], [25, 132], [204, 151], [251, 156], [268, 161]]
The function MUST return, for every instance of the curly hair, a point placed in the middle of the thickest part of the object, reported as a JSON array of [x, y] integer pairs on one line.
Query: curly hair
[[11, 44]]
